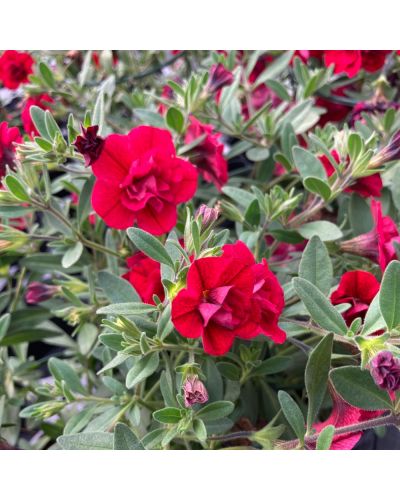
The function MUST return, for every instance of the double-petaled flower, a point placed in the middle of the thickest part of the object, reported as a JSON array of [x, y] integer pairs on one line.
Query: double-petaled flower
[[227, 297]]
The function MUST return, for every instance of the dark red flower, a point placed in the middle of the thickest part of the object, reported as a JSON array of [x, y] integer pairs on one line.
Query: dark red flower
[[141, 180], [335, 112], [219, 77], [145, 276], [377, 244], [89, 144], [373, 60], [365, 186], [39, 292], [8, 136], [226, 297], [208, 155], [357, 288], [345, 61], [385, 370], [42, 101], [15, 67], [344, 414]]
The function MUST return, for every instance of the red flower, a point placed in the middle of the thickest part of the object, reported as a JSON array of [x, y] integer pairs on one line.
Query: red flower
[[343, 414], [377, 244], [357, 288], [365, 186], [145, 276], [15, 67], [226, 297], [8, 136], [89, 144], [345, 61], [385, 370], [141, 180], [335, 112], [208, 155], [41, 101], [373, 60]]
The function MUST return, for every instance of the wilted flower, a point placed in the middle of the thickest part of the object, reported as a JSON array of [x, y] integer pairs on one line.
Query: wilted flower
[[390, 152], [89, 144], [194, 391], [219, 77], [385, 370], [208, 215], [39, 292]]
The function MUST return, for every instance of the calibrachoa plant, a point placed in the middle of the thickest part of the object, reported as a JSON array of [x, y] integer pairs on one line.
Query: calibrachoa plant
[[199, 249]]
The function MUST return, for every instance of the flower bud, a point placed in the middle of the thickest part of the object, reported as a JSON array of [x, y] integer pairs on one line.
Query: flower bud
[[39, 292], [219, 77], [194, 391], [385, 370], [390, 152], [89, 144], [208, 215]]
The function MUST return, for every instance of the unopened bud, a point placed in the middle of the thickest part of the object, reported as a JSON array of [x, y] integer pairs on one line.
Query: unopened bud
[[390, 152], [219, 77], [39, 292], [208, 215], [194, 391]]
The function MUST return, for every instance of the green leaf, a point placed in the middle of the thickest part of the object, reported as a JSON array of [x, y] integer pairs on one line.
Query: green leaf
[[175, 120], [72, 255], [216, 410], [125, 439], [293, 414], [389, 296], [316, 266], [85, 206], [117, 290], [87, 441], [257, 154], [167, 390], [150, 117], [319, 307], [168, 415], [357, 387], [354, 145], [373, 321], [62, 371], [200, 430], [325, 438], [359, 215], [149, 245], [327, 231], [271, 366], [4, 324], [16, 187], [142, 369], [307, 164], [80, 420], [317, 186], [127, 308], [275, 68], [229, 370], [316, 377], [47, 75], [98, 116], [38, 118], [240, 196]]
